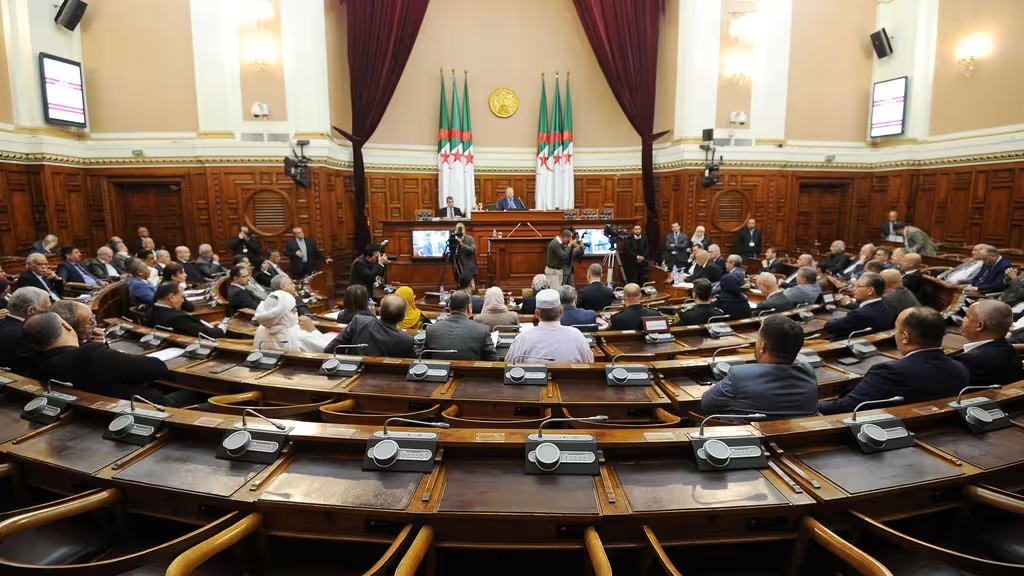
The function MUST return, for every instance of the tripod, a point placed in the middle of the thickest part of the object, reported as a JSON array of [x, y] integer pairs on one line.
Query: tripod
[[611, 261]]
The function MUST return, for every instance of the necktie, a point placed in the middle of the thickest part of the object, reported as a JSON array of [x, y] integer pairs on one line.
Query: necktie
[[49, 289], [450, 213], [89, 280]]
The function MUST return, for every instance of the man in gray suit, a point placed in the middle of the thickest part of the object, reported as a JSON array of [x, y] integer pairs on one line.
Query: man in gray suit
[[774, 299], [465, 253], [897, 298], [775, 385], [916, 240], [806, 290], [459, 332]]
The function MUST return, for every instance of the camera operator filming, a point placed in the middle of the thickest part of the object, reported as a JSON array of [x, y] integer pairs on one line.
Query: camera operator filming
[[560, 254], [462, 253]]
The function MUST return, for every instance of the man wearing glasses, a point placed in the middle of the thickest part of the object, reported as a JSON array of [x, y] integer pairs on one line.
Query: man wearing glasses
[[870, 311], [80, 317]]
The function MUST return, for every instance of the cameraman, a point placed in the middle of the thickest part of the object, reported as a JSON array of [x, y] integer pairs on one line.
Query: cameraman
[[367, 267], [560, 254], [462, 251], [245, 244]]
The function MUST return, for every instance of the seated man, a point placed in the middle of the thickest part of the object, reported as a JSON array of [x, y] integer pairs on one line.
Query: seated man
[[15, 353], [381, 336], [182, 255], [924, 373], [989, 358], [72, 270], [81, 319], [771, 262], [166, 311], [38, 274], [857, 267], [460, 332], [734, 266], [270, 268], [968, 270], [992, 276], [208, 262], [468, 285], [773, 297], [450, 210], [803, 260], [571, 315], [775, 385], [837, 259], [48, 245], [871, 312], [509, 201], [550, 339], [529, 303], [911, 267], [631, 317], [595, 295], [285, 282], [705, 268], [896, 297], [703, 309], [94, 366], [238, 295], [806, 290], [102, 267], [140, 291]]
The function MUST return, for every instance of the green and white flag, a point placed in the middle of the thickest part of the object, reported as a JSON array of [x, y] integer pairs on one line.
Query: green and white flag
[[543, 174], [553, 192], [567, 192], [469, 189], [443, 150], [458, 174]]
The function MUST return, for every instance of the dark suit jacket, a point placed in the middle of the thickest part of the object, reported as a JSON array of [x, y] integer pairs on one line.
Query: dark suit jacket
[[239, 297], [364, 272], [774, 267], [70, 273], [743, 240], [594, 296], [95, 367], [381, 339], [99, 271], [631, 318], [912, 281], [737, 308], [698, 315], [180, 321], [836, 263], [27, 278], [922, 376], [442, 212], [15, 352], [776, 390], [208, 268], [883, 230], [572, 315], [249, 247], [458, 332], [996, 362], [635, 247], [679, 246], [778, 301], [528, 305], [467, 257], [875, 316], [710, 271], [991, 278], [899, 300], [515, 204], [264, 278], [313, 256], [192, 273]]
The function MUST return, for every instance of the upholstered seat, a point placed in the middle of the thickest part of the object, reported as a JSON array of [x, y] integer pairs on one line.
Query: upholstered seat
[[72, 541]]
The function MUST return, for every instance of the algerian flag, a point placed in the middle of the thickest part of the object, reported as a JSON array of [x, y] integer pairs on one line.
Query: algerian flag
[[469, 191], [458, 184], [543, 169], [554, 190], [567, 194], [443, 150]]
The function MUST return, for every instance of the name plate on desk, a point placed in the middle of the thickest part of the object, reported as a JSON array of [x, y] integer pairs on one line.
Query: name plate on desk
[[571, 454]]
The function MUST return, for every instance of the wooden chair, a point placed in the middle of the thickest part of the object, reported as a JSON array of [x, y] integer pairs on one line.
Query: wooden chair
[[14, 534], [596, 555], [452, 417], [188, 561], [810, 529], [237, 403], [347, 412], [662, 419], [421, 549]]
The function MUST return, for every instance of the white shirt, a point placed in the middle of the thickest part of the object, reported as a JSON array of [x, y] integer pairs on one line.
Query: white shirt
[[972, 345], [909, 354], [551, 340], [872, 301]]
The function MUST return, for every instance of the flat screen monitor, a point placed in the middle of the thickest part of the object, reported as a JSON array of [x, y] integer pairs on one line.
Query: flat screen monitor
[[888, 107], [63, 93], [594, 240], [429, 243]]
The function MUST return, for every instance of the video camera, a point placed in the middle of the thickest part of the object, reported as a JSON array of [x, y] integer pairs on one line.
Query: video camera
[[296, 167]]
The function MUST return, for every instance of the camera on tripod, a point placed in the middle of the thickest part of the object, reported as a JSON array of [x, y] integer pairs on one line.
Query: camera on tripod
[[615, 233]]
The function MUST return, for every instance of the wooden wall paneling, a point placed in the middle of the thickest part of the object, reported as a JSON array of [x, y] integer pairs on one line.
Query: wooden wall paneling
[[992, 201], [24, 212], [1016, 213]]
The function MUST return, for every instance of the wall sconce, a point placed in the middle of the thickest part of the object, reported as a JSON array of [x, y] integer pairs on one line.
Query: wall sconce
[[744, 26], [261, 52], [737, 66], [970, 50]]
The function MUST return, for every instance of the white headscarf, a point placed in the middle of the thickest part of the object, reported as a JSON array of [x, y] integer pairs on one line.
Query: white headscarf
[[279, 326]]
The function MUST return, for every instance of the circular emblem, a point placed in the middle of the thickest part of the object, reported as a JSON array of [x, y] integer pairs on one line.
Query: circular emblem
[[503, 102]]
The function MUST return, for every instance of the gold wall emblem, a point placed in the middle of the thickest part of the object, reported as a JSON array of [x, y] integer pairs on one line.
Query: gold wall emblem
[[503, 102]]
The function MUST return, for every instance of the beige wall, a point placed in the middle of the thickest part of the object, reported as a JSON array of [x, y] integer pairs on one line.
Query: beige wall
[[262, 83], [137, 58], [991, 96], [668, 43], [733, 95], [338, 86], [509, 44], [6, 105], [830, 70]]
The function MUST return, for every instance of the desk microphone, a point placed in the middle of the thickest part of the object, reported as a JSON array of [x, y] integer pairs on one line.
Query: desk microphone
[[632, 355], [710, 320], [762, 313], [277, 425], [540, 429], [164, 328], [516, 359], [60, 382], [882, 401], [736, 347], [211, 339], [335, 353], [992, 387], [419, 357], [755, 416], [861, 331], [131, 403], [260, 347], [508, 328], [414, 422]]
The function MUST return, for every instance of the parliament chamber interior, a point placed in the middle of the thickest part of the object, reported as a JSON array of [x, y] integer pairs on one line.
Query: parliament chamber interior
[[469, 287]]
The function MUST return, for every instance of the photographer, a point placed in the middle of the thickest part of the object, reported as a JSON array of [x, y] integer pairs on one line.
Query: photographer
[[245, 244], [560, 253], [462, 252], [367, 267]]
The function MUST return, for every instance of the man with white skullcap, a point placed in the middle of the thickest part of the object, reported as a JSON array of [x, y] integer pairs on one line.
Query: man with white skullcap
[[550, 341], [282, 329]]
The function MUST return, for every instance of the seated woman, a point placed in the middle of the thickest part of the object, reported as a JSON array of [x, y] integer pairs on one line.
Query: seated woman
[[282, 329], [357, 302], [732, 300], [414, 317], [495, 312]]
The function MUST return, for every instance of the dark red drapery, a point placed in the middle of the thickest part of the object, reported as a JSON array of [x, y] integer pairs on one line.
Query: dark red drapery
[[624, 37], [381, 34]]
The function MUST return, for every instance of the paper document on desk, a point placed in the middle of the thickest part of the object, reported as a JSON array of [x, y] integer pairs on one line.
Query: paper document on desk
[[332, 315], [684, 285], [167, 354]]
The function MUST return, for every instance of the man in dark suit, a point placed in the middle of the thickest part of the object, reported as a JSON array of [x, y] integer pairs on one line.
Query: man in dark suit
[[303, 254], [774, 298], [15, 352], [166, 311], [208, 263], [529, 304], [911, 265], [837, 259], [46, 246], [509, 201], [381, 336], [571, 314], [989, 358], [366, 267], [705, 268], [595, 295], [72, 270], [460, 332], [38, 274], [465, 253], [776, 385], [269, 268], [102, 267], [924, 373], [183, 256], [468, 285], [140, 242], [703, 309], [992, 276], [631, 317], [676, 243], [715, 251], [238, 295], [771, 262], [635, 256], [450, 210], [245, 244], [888, 230], [870, 312], [897, 298], [748, 240]]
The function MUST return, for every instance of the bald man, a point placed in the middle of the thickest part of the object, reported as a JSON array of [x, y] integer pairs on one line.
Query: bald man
[[631, 317], [911, 265], [896, 298], [773, 297], [987, 355]]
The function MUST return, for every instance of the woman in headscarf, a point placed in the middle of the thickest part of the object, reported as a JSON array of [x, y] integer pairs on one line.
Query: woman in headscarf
[[282, 329], [357, 302], [413, 316], [699, 237], [731, 299], [494, 312]]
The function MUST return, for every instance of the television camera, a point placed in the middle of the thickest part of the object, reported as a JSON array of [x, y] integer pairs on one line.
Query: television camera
[[296, 166]]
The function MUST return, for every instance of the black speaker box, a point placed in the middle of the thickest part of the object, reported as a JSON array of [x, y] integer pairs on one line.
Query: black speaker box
[[880, 42], [70, 13]]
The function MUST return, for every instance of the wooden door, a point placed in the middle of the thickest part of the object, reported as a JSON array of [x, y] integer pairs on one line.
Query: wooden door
[[820, 209], [156, 206]]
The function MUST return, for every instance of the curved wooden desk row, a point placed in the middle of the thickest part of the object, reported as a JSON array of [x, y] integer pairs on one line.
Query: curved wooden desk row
[[476, 492], [381, 388]]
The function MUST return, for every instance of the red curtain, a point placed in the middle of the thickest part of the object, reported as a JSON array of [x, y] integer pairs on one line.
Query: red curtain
[[624, 37], [381, 34]]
